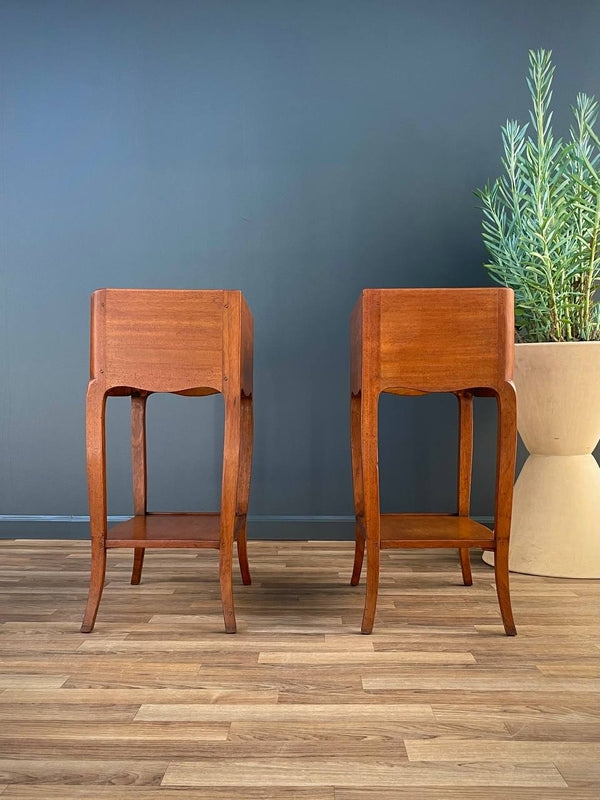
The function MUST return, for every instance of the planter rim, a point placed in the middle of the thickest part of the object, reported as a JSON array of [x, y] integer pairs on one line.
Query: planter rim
[[556, 344]]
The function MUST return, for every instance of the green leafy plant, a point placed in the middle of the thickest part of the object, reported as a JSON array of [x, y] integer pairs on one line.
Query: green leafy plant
[[541, 218]]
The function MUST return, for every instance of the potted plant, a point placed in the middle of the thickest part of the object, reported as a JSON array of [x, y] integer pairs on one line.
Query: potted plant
[[541, 226]]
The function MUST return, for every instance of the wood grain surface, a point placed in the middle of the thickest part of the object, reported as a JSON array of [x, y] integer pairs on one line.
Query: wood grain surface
[[158, 703]]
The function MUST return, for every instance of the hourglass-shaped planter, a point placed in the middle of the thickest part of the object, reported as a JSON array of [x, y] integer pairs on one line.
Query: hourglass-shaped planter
[[556, 507]]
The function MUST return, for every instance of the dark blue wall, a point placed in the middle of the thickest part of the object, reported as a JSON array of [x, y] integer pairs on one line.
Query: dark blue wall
[[297, 150]]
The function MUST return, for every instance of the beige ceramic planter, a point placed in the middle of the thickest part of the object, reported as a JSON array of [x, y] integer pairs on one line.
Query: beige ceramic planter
[[556, 510]]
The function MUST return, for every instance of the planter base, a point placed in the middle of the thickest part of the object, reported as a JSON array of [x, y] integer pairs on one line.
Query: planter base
[[556, 518]]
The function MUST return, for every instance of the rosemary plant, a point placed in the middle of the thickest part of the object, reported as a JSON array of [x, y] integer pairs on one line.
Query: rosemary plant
[[541, 218]]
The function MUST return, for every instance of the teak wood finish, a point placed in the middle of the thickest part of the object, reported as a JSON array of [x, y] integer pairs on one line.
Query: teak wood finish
[[415, 342], [181, 342]]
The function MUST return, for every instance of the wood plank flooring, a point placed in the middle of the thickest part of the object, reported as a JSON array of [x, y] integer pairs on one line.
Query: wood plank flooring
[[159, 704]]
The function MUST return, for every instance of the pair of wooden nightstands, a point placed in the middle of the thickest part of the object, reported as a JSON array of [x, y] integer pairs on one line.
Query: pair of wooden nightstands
[[403, 341]]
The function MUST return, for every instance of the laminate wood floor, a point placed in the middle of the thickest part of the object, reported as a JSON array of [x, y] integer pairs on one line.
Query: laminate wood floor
[[160, 704]]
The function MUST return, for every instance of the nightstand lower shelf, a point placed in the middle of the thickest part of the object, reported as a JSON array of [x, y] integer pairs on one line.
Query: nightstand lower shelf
[[431, 530], [169, 530]]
